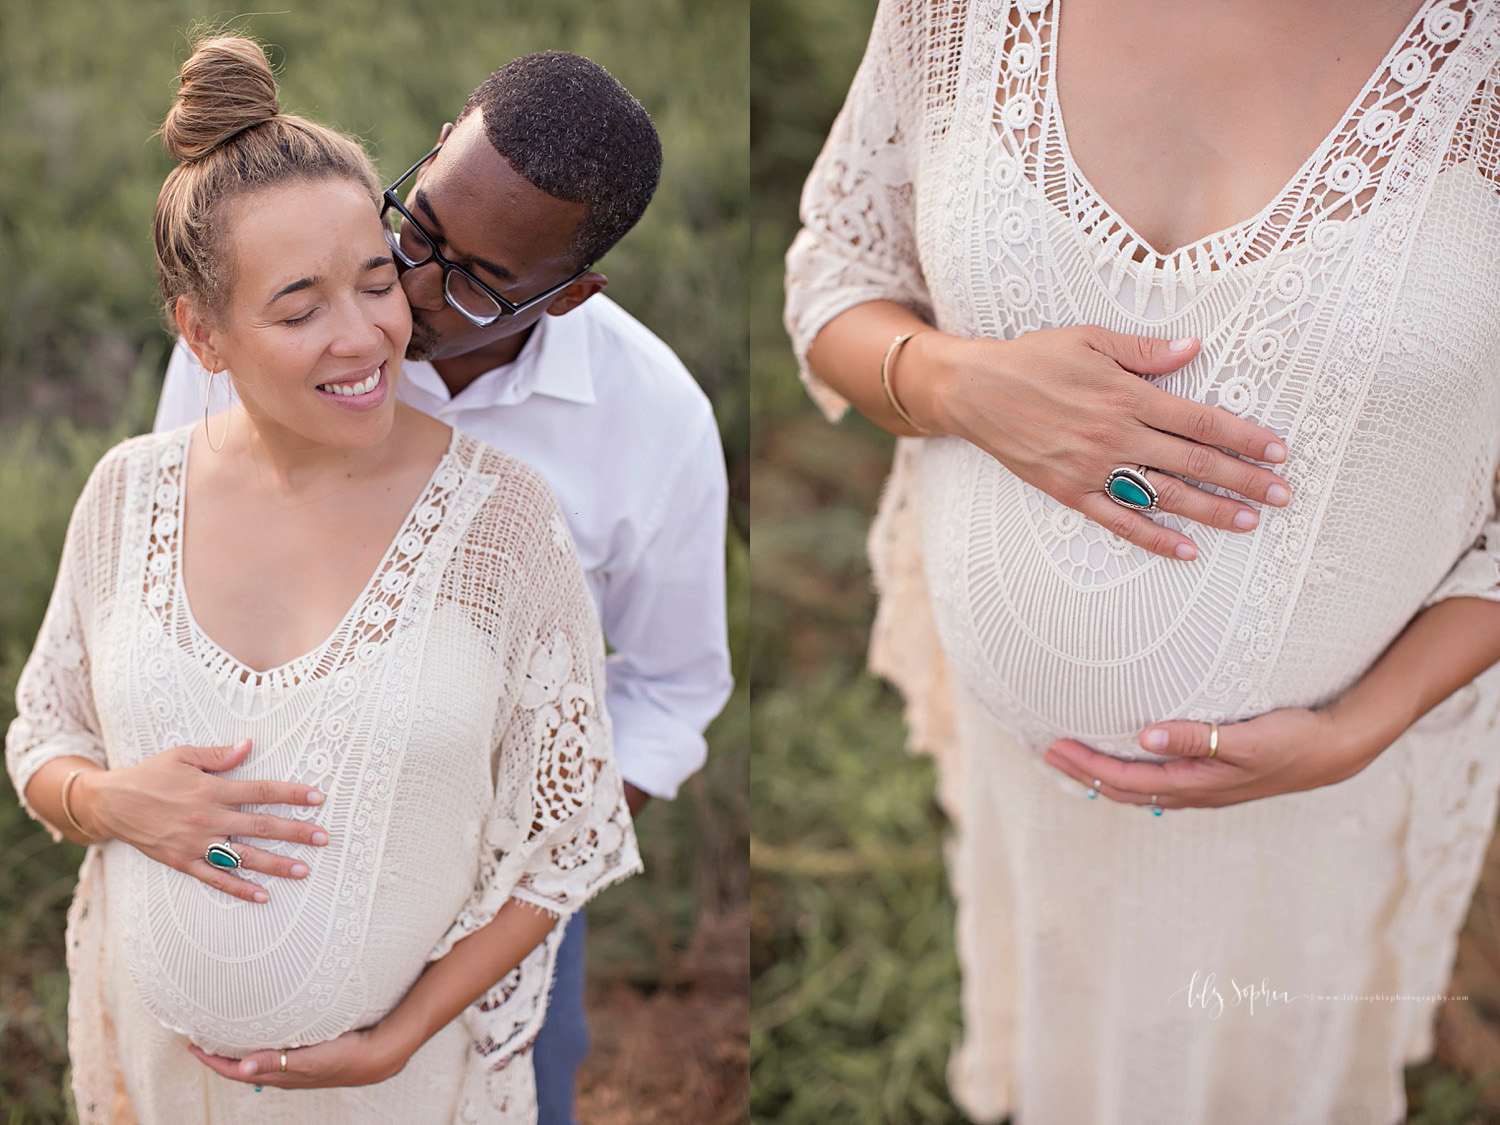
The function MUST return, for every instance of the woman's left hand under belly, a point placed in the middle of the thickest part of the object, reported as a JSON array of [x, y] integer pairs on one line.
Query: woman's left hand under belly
[[1283, 751], [356, 1058], [1453, 643]]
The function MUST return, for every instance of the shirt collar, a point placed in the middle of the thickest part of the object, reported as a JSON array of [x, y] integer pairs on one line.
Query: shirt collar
[[553, 362]]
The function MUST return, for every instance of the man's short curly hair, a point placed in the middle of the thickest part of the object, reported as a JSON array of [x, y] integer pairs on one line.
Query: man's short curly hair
[[568, 127]]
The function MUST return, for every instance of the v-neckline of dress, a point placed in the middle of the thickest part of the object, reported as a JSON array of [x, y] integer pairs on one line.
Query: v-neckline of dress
[[1142, 251], [298, 667]]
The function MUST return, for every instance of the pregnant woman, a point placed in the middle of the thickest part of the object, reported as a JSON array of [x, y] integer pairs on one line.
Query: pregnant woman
[[389, 613], [1286, 214]]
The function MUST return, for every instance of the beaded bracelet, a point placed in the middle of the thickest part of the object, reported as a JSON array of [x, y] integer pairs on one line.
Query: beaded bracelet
[[885, 381]]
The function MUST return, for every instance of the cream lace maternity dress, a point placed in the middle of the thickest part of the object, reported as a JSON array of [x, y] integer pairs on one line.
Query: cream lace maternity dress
[[1109, 955], [454, 722]]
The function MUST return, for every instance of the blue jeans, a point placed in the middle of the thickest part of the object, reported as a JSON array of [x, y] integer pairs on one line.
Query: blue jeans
[[564, 1039]]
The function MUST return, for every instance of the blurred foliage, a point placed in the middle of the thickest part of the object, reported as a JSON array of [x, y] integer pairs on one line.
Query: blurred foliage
[[855, 983], [82, 88]]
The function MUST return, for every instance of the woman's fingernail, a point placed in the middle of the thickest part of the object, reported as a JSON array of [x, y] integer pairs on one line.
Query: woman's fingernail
[[247, 1068], [320, 837], [1185, 551], [1275, 452], [261, 896], [299, 870], [1245, 519], [314, 797], [1181, 344], [1277, 494], [1155, 739]]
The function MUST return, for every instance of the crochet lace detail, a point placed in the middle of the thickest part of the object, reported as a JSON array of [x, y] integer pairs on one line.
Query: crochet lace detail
[[1358, 315], [1352, 314], [453, 720]]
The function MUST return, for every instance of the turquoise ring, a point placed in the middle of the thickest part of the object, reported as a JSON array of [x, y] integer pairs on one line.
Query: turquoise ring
[[1129, 487], [222, 855]]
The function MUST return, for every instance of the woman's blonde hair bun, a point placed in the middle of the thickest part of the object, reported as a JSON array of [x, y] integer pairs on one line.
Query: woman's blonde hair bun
[[227, 86], [229, 137]]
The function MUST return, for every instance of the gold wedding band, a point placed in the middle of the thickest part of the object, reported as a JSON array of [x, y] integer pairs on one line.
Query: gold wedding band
[[283, 1062], [1213, 737]]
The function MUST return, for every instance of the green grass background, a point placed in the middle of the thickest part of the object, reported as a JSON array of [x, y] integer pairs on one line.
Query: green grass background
[[855, 983], [82, 87]]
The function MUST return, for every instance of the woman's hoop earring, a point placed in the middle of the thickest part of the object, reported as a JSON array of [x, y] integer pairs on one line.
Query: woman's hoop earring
[[208, 394]]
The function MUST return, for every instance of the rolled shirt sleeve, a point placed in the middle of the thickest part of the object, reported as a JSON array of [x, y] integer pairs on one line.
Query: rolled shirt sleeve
[[663, 613]]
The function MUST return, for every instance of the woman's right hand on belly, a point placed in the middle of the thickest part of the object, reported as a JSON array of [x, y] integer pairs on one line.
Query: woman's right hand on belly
[[1063, 407], [171, 807]]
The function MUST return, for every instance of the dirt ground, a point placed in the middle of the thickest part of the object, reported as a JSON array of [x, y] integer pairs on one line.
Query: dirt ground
[[679, 1052]]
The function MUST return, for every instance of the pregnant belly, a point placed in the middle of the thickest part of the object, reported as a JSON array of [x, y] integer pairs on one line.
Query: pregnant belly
[[1062, 630], [328, 953]]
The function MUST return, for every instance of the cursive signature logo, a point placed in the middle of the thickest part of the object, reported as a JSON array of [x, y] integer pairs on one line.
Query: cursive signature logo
[[1203, 992]]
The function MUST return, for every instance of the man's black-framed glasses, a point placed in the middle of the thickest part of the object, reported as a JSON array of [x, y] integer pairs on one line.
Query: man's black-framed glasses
[[413, 246]]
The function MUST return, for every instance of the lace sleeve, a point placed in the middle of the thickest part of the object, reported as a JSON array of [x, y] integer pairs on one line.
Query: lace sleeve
[[1477, 572], [55, 716], [558, 830], [857, 241], [580, 838]]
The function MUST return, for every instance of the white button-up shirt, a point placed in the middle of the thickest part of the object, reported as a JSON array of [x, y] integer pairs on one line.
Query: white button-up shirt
[[627, 440]]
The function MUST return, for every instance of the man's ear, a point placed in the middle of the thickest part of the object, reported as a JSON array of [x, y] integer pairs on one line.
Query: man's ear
[[197, 334], [577, 293]]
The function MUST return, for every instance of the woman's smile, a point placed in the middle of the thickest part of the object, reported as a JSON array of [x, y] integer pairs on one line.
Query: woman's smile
[[316, 307], [365, 388]]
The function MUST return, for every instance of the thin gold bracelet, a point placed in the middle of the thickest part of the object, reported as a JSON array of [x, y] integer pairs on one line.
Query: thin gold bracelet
[[67, 785], [885, 381]]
